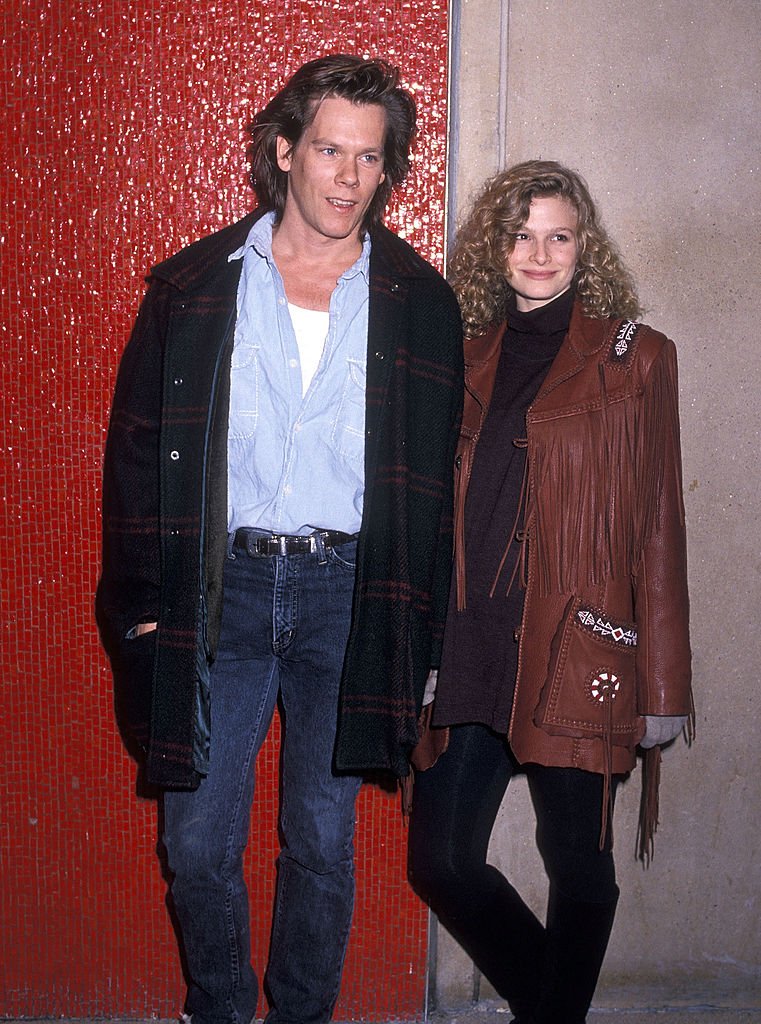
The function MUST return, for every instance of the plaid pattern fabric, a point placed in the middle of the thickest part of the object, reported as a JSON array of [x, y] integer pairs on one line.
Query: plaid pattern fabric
[[164, 507]]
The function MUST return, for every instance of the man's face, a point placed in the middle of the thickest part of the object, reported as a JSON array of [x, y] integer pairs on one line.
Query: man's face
[[334, 170]]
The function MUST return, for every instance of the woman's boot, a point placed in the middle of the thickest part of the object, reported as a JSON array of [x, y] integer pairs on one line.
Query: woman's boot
[[576, 940]]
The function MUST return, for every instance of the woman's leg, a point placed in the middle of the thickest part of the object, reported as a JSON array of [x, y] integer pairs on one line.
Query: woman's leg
[[454, 807], [583, 890]]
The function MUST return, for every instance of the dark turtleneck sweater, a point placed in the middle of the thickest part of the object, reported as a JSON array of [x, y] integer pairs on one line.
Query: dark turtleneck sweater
[[480, 656]]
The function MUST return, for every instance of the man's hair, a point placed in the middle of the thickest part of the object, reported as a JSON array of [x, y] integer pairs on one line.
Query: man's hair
[[293, 109], [478, 264]]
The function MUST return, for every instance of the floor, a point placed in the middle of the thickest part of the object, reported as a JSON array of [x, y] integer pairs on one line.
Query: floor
[[490, 1013], [721, 1001]]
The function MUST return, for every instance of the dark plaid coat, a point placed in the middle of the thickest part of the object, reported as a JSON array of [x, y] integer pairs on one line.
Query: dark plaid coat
[[165, 507]]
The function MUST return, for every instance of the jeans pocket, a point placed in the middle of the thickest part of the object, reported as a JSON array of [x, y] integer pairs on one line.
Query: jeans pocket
[[590, 690], [344, 556]]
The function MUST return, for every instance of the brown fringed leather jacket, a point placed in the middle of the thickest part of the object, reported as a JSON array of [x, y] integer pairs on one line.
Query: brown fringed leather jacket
[[605, 633]]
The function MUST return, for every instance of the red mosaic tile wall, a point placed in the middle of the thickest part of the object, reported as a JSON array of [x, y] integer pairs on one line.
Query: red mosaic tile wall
[[122, 141]]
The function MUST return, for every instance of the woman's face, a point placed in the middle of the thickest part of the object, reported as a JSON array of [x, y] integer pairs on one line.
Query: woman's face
[[542, 263]]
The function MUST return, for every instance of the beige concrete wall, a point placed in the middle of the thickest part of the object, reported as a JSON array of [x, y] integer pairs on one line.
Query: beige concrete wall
[[658, 104]]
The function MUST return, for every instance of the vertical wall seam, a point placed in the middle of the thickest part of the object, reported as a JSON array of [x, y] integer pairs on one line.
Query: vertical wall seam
[[502, 99], [453, 123]]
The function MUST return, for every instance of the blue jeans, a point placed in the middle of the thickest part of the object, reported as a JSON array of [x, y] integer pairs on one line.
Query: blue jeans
[[285, 625]]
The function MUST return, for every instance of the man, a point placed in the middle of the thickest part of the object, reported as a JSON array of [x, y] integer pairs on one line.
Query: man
[[277, 496]]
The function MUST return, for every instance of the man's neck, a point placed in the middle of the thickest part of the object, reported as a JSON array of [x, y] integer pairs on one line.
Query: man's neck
[[292, 240], [310, 265]]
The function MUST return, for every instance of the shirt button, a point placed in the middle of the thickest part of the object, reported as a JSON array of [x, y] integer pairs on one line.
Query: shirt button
[[380, 355], [293, 363], [177, 381], [287, 489], [174, 456], [281, 302]]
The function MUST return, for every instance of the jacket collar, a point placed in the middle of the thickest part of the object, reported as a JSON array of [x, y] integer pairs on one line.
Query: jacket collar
[[398, 258], [190, 268], [587, 334], [586, 337], [485, 347], [481, 358]]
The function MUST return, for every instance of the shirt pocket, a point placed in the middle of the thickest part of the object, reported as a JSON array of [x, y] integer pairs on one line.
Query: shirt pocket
[[245, 388], [348, 433], [590, 690]]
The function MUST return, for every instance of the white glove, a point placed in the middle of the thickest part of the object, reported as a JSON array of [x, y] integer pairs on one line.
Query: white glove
[[659, 729], [430, 687]]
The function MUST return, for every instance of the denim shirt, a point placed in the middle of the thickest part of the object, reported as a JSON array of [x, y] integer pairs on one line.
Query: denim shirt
[[295, 461]]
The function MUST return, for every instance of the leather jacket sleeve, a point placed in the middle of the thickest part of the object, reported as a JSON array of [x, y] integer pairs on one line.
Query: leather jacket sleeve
[[661, 597]]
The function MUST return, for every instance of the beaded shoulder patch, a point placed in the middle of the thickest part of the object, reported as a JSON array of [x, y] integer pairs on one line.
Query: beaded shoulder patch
[[622, 345]]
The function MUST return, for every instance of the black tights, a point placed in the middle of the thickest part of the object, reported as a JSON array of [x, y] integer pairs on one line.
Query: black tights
[[546, 973]]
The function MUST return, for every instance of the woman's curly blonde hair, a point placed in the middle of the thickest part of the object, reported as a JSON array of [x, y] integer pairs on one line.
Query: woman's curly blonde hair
[[478, 264]]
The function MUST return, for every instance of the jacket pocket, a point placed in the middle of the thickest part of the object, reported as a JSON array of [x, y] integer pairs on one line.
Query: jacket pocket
[[590, 689], [132, 664]]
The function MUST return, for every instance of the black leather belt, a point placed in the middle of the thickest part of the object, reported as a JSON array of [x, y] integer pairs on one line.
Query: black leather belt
[[263, 545]]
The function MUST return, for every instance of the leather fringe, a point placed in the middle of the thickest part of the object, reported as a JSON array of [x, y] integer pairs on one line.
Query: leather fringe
[[649, 800], [520, 562], [459, 526], [610, 504], [690, 728], [406, 787], [648, 807], [607, 789], [431, 744]]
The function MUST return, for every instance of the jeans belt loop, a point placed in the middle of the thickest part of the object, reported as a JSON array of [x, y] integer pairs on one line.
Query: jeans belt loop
[[318, 541]]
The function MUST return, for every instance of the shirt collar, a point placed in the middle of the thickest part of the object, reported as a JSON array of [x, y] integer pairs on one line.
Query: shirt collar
[[362, 265], [259, 239]]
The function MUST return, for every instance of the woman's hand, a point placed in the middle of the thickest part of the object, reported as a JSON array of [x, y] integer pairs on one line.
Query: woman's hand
[[430, 687], [659, 729]]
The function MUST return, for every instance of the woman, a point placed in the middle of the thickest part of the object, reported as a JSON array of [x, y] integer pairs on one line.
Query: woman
[[567, 642]]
